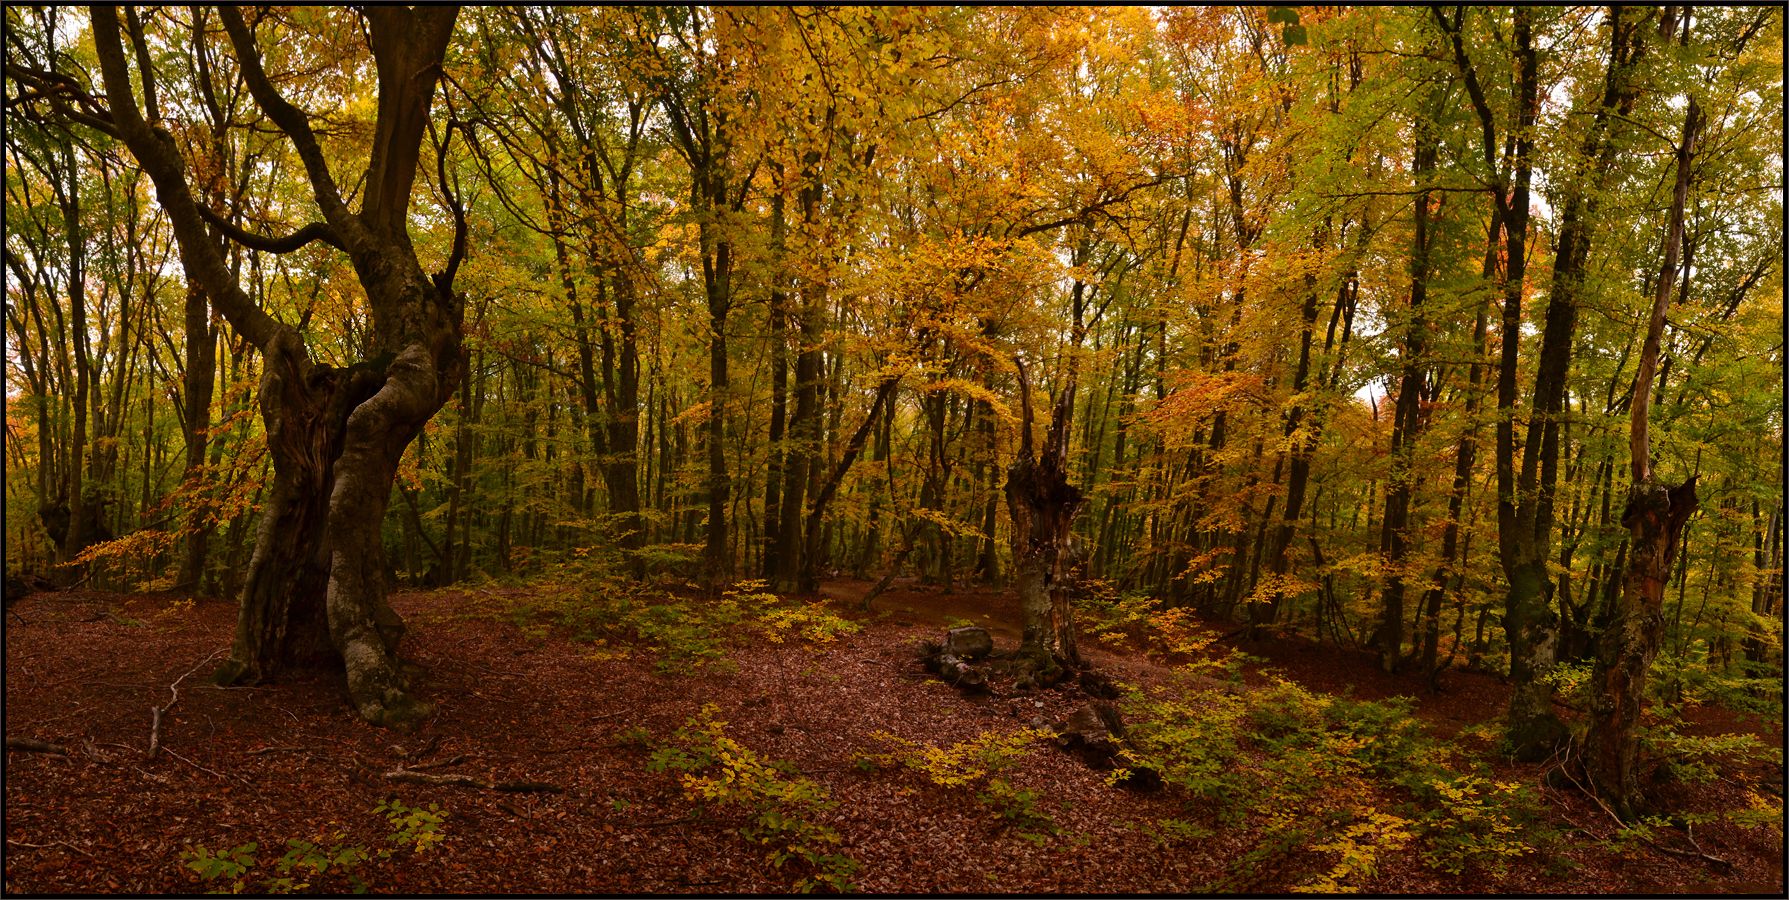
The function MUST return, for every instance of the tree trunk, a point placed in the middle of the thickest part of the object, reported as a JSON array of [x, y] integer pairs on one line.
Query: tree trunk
[[1043, 505], [1655, 518], [809, 580], [1452, 558], [201, 372], [335, 435], [1407, 420]]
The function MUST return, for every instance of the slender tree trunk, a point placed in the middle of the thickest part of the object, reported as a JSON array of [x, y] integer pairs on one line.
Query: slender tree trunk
[[1655, 518], [201, 373], [809, 580], [1452, 558], [1407, 418], [779, 396]]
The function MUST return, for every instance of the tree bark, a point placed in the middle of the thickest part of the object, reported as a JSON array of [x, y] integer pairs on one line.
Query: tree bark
[[335, 435], [1655, 518], [1407, 417], [1043, 505]]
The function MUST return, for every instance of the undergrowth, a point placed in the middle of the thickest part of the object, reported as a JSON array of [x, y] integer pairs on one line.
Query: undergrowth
[[324, 862], [1348, 781], [979, 763], [713, 768], [686, 634]]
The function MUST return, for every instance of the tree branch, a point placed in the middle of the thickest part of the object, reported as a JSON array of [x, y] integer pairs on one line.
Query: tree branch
[[156, 151], [316, 231], [295, 124]]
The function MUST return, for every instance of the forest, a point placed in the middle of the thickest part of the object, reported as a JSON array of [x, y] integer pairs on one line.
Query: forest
[[906, 449]]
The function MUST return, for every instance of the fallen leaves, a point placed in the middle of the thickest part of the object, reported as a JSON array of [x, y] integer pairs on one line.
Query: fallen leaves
[[279, 760]]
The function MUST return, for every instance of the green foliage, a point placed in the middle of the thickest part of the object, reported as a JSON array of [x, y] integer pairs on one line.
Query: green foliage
[[314, 861], [1358, 849], [1018, 808], [1759, 812], [1677, 679], [687, 634], [964, 762], [1699, 759], [1568, 680], [1170, 831], [978, 762], [715, 768], [1470, 822], [1306, 771], [413, 827], [224, 865]]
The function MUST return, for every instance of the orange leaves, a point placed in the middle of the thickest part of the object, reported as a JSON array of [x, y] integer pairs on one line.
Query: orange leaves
[[1200, 395]]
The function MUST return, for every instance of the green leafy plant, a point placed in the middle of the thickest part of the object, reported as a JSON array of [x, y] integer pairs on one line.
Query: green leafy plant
[[223, 865], [1699, 759], [414, 828], [715, 768], [1474, 822], [1358, 849], [308, 862], [978, 762]]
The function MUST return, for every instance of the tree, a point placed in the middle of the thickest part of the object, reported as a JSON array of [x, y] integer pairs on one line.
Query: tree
[[316, 584]]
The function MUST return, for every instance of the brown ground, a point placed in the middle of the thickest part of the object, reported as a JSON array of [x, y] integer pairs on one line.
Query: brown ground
[[267, 763]]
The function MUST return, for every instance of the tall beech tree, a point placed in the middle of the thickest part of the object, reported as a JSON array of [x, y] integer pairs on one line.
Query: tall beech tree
[[315, 588]]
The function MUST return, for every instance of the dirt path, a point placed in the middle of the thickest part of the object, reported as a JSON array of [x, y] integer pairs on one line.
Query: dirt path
[[268, 763]]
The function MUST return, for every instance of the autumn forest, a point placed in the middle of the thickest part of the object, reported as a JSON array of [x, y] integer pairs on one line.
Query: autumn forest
[[896, 449]]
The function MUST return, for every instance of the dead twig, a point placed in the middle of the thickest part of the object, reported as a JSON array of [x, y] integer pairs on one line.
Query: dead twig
[[49, 845], [33, 745], [213, 772], [157, 712], [450, 761], [518, 787]]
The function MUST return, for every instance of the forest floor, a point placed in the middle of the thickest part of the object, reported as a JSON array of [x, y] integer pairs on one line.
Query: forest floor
[[521, 700]]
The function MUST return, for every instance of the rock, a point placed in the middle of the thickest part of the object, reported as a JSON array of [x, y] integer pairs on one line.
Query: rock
[[959, 673], [970, 643]]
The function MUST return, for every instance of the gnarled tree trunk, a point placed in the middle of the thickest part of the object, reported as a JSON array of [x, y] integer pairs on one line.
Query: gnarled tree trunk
[[1043, 505], [316, 585]]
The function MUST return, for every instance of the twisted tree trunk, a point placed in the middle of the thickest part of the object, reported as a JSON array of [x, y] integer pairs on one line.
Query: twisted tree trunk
[[315, 589]]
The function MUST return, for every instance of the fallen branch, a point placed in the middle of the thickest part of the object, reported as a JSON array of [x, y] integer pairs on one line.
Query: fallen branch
[[266, 750], [516, 787], [450, 761], [157, 712], [33, 745], [49, 845]]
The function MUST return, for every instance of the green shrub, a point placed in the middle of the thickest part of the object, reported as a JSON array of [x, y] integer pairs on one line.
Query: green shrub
[[978, 762], [313, 862], [715, 768], [688, 635], [1699, 759], [1474, 822], [1301, 770]]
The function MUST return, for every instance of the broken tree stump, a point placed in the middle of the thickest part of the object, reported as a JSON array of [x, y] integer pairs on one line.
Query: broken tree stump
[[1095, 734], [954, 660]]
